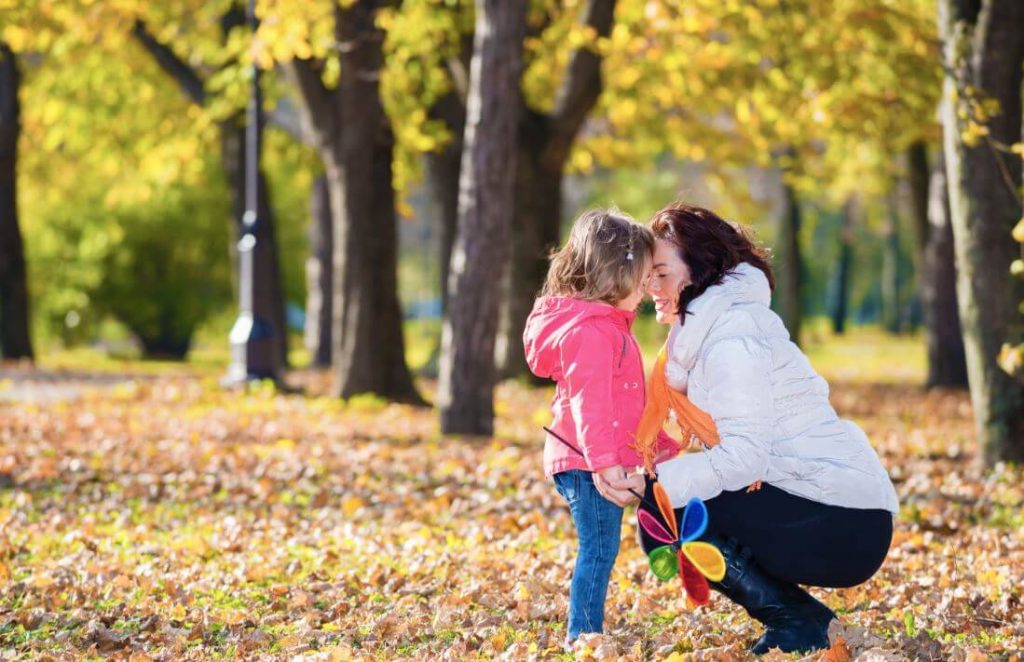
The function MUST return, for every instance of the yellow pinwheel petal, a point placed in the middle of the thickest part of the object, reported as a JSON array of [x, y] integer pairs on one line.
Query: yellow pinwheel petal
[[706, 558]]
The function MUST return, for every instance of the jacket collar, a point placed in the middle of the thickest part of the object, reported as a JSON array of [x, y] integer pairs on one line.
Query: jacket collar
[[744, 284]]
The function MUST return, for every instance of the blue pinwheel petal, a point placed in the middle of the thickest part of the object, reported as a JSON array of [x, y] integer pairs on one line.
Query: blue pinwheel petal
[[695, 520]]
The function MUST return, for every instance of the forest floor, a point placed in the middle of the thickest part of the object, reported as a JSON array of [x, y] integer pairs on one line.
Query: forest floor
[[150, 514]]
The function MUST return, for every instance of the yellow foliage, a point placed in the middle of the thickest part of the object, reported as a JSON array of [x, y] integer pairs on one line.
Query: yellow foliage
[[1018, 231]]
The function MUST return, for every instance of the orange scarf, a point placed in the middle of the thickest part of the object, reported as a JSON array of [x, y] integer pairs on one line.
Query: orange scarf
[[695, 423]]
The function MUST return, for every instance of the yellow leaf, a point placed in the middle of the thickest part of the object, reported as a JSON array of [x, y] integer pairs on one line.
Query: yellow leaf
[[289, 641], [1011, 360], [42, 581], [351, 505], [123, 582], [1018, 231], [233, 617], [499, 640], [340, 653]]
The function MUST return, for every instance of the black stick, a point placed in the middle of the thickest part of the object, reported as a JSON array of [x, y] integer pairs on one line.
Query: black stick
[[580, 453]]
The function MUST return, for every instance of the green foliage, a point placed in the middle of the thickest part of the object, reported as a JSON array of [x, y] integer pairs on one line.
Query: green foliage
[[424, 40], [159, 267], [170, 269]]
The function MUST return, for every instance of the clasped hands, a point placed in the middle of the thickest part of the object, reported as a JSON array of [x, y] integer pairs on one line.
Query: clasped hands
[[615, 484]]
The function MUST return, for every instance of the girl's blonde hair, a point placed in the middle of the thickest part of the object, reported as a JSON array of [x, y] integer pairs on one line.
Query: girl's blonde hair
[[603, 260]]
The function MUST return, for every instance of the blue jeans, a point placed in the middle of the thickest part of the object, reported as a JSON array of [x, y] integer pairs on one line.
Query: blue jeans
[[598, 527]]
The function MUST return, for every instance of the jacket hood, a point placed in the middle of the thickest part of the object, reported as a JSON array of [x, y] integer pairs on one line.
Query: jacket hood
[[551, 319]]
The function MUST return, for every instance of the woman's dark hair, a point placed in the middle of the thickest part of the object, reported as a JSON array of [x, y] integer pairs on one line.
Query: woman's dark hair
[[710, 246]]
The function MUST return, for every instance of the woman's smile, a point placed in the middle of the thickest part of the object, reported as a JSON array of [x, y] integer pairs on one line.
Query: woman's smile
[[668, 278]]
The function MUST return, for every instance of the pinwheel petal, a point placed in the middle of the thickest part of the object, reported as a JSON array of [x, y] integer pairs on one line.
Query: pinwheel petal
[[695, 520], [653, 527], [697, 588], [706, 558], [665, 506], [663, 562]]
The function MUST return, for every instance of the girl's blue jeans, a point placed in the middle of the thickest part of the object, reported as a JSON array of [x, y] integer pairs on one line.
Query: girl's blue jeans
[[598, 527]]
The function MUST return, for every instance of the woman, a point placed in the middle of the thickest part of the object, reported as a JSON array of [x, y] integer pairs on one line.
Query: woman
[[795, 494]]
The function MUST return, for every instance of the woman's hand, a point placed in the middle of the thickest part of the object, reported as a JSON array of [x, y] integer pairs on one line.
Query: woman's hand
[[615, 485]]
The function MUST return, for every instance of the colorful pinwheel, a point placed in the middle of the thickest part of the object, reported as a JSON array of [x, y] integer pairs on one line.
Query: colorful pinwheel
[[682, 554]]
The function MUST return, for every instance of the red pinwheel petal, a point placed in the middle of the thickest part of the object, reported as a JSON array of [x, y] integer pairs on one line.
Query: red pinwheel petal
[[696, 586]]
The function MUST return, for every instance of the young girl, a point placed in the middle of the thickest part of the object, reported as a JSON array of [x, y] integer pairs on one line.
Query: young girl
[[579, 334]]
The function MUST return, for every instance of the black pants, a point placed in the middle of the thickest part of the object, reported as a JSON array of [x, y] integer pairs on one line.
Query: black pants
[[799, 540]]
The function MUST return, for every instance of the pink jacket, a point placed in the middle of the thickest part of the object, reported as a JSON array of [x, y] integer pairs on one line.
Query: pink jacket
[[588, 349]]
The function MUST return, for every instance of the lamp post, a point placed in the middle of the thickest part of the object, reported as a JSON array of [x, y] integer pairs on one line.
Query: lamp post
[[252, 337]]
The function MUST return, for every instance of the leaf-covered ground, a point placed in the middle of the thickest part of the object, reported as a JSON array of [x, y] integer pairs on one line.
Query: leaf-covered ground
[[165, 518]]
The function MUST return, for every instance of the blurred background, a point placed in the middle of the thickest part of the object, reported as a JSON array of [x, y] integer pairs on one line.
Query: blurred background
[[824, 126]]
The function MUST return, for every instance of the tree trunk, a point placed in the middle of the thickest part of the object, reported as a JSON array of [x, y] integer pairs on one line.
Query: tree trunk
[[984, 50], [842, 303], [545, 141], [789, 264], [936, 274], [486, 192], [319, 275], [368, 348], [443, 179], [535, 233], [892, 307], [15, 341]]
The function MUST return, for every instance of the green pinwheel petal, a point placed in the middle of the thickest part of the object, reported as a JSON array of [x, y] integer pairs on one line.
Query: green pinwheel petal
[[663, 562]]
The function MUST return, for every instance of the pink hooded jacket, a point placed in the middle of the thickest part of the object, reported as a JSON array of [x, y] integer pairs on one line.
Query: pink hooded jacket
[[588, 349]]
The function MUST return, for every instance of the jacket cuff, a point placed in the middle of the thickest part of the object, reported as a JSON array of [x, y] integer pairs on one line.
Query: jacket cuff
[[603, 461], [687, 476]]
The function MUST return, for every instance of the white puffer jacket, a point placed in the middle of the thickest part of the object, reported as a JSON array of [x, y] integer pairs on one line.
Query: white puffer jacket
[[733, 358]]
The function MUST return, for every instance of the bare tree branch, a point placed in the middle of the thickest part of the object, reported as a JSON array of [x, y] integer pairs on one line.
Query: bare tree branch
[[582, 84], [187, 77]]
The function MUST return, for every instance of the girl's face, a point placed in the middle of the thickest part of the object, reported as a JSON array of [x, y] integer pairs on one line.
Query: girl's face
[[669, 276], [633, 300]]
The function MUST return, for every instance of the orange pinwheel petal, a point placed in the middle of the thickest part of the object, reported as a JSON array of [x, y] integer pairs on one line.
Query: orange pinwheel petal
[[665, 506]]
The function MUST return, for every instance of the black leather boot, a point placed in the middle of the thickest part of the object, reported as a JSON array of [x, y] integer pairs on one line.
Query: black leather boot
[[794, 621]]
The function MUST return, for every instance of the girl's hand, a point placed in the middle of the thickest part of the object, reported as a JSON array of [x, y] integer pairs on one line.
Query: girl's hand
[[614, 485]]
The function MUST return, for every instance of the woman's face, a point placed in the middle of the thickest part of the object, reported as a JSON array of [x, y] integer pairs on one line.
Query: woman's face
[[668, 278]]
